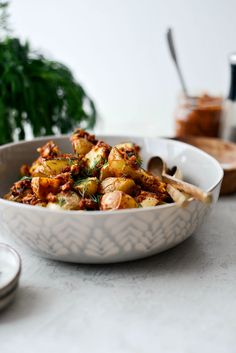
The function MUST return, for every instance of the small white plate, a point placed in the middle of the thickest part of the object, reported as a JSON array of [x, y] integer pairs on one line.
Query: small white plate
[[10, 269]]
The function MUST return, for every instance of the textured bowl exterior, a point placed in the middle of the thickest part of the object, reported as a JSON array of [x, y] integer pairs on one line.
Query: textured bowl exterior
[[107, 236], [88, 238]]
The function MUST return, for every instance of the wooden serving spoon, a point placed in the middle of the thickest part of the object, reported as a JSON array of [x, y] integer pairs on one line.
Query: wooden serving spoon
[[224, 152], [157, 167]]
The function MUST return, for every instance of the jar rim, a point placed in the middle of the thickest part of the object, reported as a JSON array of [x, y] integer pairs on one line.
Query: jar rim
[[201, 101]]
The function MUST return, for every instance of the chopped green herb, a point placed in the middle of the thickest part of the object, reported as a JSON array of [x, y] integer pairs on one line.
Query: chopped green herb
[[61, 202], [71, 162], [25, 177], [79, 181], [139, 161], [96, 198]]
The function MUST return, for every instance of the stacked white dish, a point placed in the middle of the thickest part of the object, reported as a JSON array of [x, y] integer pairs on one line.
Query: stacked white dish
[[10, 269]]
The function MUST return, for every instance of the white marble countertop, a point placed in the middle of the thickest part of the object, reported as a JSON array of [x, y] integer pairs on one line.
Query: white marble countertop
[[181, 301]]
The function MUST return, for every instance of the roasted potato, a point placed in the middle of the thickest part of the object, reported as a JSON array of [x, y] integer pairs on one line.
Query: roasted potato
[[66, 201], [147, 199], [52, 167], [88, 186], [130, 148], [81, 146], [121, 184], [105, 172], [151, 183], [82, 142], [42, 186], [125, 146], [49, 150], [96, 176], [96, 158], [120, 166], [117, 200]]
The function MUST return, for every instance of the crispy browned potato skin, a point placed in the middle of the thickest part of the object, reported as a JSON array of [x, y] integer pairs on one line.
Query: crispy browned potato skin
[[117, 200], [78, 181], [52, 167], [119, 166], [82, 142], [81, 146], [42, 186], [120, 184]]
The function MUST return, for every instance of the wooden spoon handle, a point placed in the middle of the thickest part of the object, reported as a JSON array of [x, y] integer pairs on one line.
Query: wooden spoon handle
[[190, 189], [180, 198]]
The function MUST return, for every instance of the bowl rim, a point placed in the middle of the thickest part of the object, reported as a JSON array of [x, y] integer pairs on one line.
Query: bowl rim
[[110, 212]]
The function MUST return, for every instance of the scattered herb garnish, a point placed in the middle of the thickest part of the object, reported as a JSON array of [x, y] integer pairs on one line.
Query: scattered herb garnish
[[79, 181], [26, 178], [139, 161], [71, 161], [61, 202], [96, 198]]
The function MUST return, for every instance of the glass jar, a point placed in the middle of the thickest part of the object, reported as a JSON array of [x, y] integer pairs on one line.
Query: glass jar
[[199, 116]]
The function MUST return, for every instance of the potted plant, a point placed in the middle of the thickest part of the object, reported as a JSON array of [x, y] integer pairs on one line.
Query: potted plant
[[36, 92]]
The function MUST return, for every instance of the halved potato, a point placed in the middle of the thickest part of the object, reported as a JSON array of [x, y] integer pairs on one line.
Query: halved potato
[[66, 201], [52, 167], [105, 172], [96, 158], [42, 186], [120, 166], [81, 146], [88, 186], [117, 200], [147, 199], [82, 142], [121, 184]]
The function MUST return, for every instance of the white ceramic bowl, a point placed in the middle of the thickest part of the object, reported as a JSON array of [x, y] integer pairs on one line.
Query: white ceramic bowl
[[107, 236]]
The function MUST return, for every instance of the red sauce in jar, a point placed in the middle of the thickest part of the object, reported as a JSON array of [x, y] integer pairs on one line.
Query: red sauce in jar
[[199, 116]]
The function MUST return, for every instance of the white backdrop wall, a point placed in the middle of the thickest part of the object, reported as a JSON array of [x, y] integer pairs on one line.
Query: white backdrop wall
[[117, 50]]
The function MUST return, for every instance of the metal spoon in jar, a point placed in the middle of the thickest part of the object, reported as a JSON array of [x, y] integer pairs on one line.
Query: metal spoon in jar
[[171, 45], [157, 167]]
